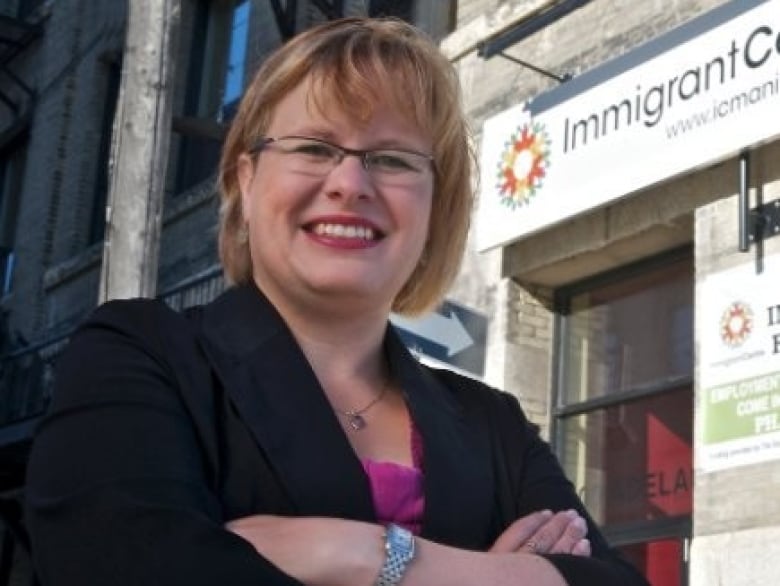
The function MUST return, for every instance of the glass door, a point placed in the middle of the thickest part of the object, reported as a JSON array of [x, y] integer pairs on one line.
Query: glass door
[[624, 407], [663, 561]]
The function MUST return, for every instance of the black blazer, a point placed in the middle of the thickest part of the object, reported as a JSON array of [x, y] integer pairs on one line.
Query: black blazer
[[164, 426]]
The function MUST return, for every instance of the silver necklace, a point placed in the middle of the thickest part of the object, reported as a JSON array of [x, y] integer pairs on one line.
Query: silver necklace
[[355, 417]]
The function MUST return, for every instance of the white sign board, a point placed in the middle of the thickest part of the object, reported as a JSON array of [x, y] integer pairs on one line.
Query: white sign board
[[696, 95], [738, 312]]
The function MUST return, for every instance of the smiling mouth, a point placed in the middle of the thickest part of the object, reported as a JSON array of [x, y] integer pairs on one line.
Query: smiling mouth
[[346, 231]]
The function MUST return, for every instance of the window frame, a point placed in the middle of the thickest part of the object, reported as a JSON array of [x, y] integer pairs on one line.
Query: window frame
[[560, 410], [203, 108], [13, 166], [112, 81]]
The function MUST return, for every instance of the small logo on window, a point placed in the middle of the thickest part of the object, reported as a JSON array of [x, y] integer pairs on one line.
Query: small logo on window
[[736, 324], [523, 165]]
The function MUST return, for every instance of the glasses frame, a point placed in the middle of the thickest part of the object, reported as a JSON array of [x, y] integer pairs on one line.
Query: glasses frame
[[363, 154]]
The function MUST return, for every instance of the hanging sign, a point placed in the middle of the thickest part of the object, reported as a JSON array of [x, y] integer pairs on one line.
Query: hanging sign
[[739, 367], [453, 334], [694, 96]]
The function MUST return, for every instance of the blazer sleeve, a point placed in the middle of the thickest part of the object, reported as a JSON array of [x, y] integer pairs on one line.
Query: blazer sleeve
[[540, 483], [118, 488]]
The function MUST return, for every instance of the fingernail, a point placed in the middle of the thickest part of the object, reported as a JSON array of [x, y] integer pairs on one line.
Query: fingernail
[[547, 513], [582, 547], [572, 514]]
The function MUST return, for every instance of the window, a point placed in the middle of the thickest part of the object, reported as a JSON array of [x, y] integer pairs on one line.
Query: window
[[12, 162], [97, 224], [234, 76], [399, 8], [20, 9], [624, 408], [215, 82]]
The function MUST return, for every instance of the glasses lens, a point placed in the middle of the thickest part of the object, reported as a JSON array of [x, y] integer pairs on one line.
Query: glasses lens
[[308, 155], [312, 156], [397, 163]]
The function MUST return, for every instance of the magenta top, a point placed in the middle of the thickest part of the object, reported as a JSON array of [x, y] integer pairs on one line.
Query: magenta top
[[397, 490]]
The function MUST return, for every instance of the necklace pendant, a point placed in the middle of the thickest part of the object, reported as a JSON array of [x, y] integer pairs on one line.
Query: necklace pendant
[[356, 421]]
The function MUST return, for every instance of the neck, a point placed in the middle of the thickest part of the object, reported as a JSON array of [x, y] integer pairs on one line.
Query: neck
[[344, 345]]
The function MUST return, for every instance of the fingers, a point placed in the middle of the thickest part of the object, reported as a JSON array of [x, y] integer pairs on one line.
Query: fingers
[[518, 533], [572, 529], [545, 532], [582, 547], [554, 535]]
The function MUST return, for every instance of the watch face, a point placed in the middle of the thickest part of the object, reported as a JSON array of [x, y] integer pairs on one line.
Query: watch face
[[401, 540], [400, 551]]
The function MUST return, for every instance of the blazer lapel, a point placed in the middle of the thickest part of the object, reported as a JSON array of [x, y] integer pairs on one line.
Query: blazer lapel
[[459, 483], [277, 395]]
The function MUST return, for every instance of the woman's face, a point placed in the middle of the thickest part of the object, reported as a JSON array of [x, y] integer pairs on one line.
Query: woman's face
[[346, 237]]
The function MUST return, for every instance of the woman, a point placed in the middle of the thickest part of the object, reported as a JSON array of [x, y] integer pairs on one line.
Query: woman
[[282, 434]]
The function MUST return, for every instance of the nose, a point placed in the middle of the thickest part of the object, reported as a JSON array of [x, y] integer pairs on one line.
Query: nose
[[350, 179]]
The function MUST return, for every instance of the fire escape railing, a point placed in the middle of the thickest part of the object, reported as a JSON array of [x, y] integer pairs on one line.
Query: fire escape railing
[[26, 377], [198, 290], [27, 374]]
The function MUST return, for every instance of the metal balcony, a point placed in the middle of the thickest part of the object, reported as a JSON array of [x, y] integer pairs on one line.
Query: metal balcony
[[26, 377], [197, 290], [27, 374], [21, 9]]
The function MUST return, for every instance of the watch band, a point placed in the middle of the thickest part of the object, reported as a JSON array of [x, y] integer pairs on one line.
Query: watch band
[[399, 552]]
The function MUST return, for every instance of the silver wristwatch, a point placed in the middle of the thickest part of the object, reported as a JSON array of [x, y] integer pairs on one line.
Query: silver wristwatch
[[399, 552]]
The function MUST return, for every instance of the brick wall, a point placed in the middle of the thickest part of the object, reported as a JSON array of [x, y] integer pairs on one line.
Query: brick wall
[[64, 67]]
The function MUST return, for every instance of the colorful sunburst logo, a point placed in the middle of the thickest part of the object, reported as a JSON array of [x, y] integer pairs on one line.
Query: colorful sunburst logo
[[736, 324], [523, 165]]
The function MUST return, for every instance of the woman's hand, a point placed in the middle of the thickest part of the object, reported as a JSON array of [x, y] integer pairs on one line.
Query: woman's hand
[[316, 551], [545, 532]]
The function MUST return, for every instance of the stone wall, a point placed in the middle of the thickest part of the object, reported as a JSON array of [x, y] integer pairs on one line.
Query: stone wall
[[589, 244]]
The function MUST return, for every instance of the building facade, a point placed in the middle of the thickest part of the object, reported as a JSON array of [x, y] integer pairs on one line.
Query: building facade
[[628, 286], [60, 79], [624, 250]]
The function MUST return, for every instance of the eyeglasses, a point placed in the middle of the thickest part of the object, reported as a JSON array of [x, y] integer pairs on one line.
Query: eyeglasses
[[316, 157]]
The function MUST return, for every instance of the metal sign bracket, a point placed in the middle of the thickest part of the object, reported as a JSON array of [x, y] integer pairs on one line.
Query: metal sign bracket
[[764, 221]]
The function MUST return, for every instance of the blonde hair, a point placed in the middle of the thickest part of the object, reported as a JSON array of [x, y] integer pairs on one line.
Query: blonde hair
[[354, 64]]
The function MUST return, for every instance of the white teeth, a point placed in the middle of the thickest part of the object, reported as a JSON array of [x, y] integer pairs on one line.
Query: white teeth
[[342, 231]]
